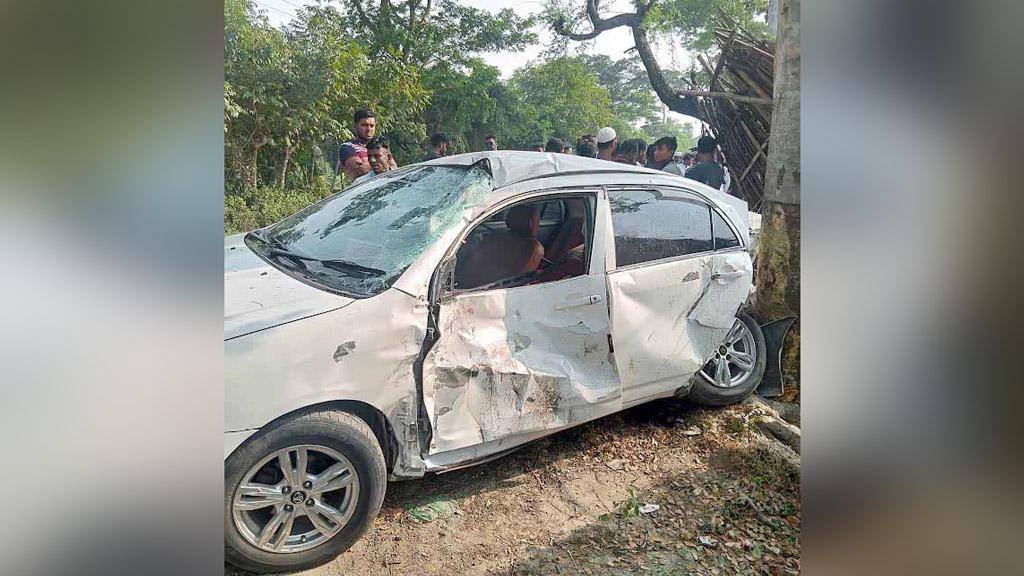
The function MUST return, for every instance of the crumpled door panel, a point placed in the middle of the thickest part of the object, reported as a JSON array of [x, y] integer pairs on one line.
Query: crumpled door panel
[[729, 285], [519, 360], [654, 349]]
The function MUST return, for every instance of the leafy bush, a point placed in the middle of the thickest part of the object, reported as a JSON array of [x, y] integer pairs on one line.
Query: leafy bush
[[263, 206]]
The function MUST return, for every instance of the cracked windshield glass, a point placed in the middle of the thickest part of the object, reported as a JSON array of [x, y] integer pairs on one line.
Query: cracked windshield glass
[[360, 241]]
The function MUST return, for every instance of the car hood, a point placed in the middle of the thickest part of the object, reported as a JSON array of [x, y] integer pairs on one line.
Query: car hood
[[258, 296]]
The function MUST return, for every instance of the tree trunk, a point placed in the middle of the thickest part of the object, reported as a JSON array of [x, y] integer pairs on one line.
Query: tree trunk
[[778, 269], [282, 178], [256, 165]]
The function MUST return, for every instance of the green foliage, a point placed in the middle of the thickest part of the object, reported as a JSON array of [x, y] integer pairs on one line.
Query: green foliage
[[681, 130], [462, 104], [289, 90], [451, 32], [631, 505], [263, 206], [689, 21], [626, 80], [563, 98]]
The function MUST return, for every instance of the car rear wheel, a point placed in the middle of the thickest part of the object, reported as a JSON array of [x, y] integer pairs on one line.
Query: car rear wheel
[[735, 369], [302, 492]]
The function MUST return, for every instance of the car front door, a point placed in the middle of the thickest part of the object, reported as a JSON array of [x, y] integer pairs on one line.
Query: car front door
[[672, 298], [512, 361]]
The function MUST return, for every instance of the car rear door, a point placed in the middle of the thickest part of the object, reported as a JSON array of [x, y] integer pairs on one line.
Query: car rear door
[[669, 292]]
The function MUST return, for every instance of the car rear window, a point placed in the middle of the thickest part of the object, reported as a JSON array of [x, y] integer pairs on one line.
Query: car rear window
[[651, 226], [724, 236]]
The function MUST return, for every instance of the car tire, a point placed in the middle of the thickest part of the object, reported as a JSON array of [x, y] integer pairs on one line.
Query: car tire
[[322, 436], [706, 392]]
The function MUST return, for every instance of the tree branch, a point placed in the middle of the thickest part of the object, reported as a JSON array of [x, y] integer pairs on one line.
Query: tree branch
[[407, 48], [358, 4], [683, 104], [599, 24], [676, 102]]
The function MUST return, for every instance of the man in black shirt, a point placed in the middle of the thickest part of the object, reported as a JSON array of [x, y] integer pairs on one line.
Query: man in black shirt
[[705, 169], [555, 145], [438, 146]]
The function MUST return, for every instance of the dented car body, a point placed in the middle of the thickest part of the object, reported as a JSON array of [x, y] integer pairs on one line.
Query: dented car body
[[368, 312]]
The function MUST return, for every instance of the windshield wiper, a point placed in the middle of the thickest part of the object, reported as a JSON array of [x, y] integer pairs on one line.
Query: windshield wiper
[[276, 249], [262, 237], [350, 267]]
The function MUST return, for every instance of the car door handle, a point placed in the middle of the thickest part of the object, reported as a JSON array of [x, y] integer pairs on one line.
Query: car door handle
[[584, 301], [726, 275]]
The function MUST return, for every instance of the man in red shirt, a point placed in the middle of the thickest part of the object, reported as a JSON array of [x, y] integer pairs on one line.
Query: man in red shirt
[[352, 156]]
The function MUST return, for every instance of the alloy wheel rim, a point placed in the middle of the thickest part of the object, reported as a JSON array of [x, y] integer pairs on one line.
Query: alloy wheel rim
[[295, 499], [733, 361]]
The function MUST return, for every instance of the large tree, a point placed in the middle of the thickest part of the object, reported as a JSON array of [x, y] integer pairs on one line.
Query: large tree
[[425, 32], [462, 102], [566, 98], [254, 61], [778, 270], [687, 20], [632, 99]]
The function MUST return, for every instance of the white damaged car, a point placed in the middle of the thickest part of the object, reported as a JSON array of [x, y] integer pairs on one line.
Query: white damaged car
[[448, 312]]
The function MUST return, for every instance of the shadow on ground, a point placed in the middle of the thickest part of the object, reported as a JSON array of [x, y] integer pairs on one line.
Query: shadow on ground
[[537, 455]]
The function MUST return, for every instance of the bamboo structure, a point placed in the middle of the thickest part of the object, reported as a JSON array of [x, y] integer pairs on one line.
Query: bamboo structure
[[741, 124]]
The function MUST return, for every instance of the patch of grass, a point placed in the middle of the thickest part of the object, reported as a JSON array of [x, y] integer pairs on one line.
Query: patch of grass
[[738, 425], [630, 506], [788, 509]]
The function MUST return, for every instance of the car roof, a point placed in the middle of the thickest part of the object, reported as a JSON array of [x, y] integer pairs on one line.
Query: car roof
[[511, 166]]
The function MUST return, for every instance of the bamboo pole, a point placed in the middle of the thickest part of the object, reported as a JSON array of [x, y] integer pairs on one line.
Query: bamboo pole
[[726, 96]]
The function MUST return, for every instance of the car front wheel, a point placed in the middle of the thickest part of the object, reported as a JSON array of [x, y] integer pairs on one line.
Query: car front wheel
[[302, 492], [735, 369]]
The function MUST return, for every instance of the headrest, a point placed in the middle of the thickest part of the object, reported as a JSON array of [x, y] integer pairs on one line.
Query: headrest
[[575, 236], [523, 220]]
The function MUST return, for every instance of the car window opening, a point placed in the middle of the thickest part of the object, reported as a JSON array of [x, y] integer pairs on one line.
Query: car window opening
[[528, 243], [650, 226]]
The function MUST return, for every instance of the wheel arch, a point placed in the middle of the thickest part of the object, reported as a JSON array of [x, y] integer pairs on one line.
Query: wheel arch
[[368, 413]]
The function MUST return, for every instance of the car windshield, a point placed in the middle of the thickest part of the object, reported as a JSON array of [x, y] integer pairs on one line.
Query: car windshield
[[360, 241]]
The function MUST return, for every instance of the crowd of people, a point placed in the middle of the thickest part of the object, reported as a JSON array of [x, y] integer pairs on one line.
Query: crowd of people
[[367, 154]]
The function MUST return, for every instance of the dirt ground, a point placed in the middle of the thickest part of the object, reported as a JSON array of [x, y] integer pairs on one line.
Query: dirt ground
[[728, 502]]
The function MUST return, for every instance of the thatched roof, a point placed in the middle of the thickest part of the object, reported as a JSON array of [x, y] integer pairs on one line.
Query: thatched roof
[[744, 68]]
